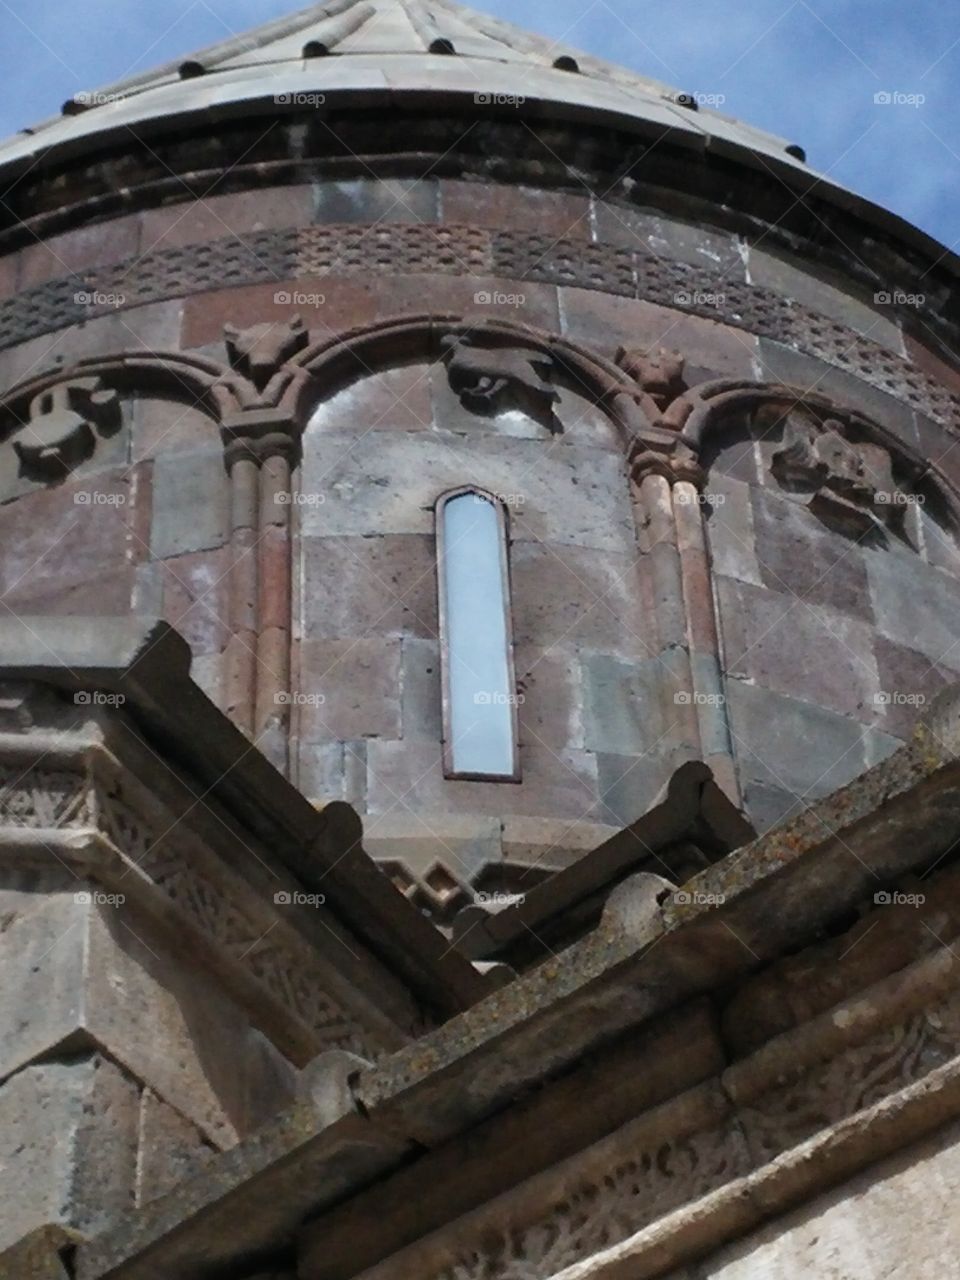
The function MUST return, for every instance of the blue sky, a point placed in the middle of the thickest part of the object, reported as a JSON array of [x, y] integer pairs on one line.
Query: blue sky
[[805, 69]]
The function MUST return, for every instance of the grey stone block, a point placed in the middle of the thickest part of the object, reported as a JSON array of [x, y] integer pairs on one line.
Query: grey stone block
[[68, 1146], [629, 784], [730, 527], [915, 605], [190, 503], [791, 745], [622, 709], [421, 691]]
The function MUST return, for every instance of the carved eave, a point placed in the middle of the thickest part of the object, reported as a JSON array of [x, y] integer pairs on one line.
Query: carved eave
[[418, 1143]]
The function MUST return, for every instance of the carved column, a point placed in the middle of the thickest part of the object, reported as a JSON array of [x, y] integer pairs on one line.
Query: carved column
[[262, 442], [669, 505], [261, 449]]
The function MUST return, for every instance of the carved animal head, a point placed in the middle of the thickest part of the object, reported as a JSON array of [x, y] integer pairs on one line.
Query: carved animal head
[[258, 352], [658, 371], [491, 380]]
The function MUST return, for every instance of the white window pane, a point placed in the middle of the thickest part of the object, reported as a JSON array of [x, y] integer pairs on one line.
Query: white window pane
[[480, 728]]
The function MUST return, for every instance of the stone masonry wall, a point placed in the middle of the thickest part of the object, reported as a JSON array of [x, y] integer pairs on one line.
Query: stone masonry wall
[[143, 523]]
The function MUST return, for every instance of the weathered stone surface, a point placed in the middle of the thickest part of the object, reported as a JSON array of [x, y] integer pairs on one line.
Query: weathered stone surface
[[392, 580], [793, 745], [171, 1148], [815, 654], [376, 200], [629, 785], [376, 484], [462, 842], [730, 528], [550, 686], [798, 556], [893, 1219], [505, 207], [568, 596], [190, 503], [800, 282], [89, 969], [778, 363], [420, 693], [916, 606], [548, 844], [718, 253], [79, 252], [58, 543], [167, 426], [216, 217], [349, 689], [410, 775], [68, 1137], [623, 714], [397, 399]]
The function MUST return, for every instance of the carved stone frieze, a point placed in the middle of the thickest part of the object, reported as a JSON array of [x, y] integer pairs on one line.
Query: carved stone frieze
[[245, 929]]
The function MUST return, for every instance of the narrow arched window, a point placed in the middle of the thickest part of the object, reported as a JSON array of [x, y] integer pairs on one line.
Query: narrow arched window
[[479, 693]]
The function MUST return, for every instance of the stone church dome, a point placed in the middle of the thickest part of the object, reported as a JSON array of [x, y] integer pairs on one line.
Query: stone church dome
[[501, 428], [480, 568]]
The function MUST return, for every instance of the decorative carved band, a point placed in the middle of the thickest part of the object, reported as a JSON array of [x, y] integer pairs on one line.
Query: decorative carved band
[[165, 853], [453, 249]]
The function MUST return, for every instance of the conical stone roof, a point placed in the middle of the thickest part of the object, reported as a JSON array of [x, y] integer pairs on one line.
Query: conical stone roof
[[357, 48]]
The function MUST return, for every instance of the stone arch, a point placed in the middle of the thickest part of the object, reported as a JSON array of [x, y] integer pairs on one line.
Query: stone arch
[[334, 362], [820, 523]]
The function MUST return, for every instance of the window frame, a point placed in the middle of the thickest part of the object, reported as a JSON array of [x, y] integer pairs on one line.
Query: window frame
[[503, 531]]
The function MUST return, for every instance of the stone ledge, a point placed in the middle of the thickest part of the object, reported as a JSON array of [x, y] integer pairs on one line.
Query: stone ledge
[[147, 662]]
